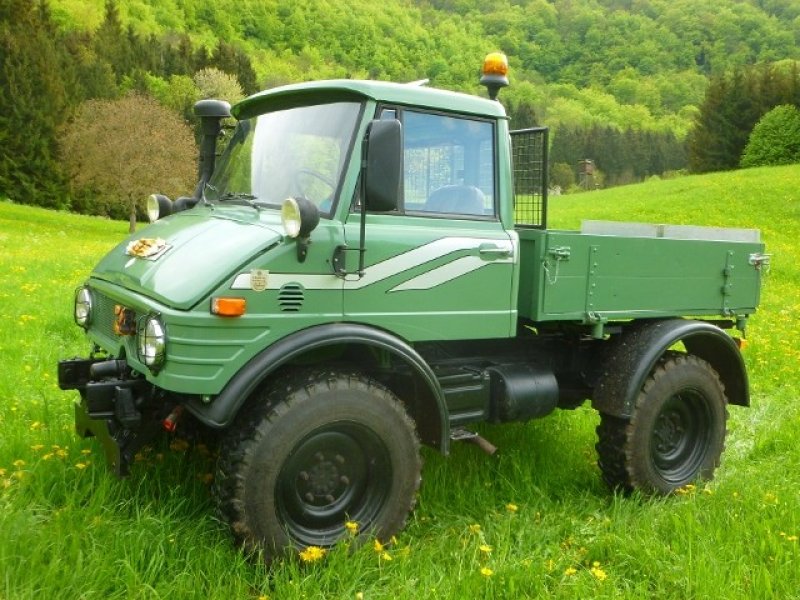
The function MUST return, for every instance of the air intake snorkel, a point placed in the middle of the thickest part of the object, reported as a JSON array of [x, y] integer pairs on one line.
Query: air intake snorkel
[[211, 112]]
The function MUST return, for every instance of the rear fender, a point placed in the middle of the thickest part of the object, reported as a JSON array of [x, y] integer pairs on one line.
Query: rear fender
[[635, 353]]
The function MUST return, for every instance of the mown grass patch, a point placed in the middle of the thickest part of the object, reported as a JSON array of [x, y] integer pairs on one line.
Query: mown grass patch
[[534, 522]]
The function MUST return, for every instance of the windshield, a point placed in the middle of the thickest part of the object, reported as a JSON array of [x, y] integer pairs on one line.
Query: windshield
[[287, 153]]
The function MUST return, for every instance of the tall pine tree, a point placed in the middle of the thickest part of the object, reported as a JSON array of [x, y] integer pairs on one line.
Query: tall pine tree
[[35, 84]]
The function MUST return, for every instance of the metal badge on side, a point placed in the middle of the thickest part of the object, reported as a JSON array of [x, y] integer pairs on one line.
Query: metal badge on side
[[258, 280]]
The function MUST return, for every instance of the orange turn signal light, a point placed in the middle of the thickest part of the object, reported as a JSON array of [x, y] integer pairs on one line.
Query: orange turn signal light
[[228, 307]]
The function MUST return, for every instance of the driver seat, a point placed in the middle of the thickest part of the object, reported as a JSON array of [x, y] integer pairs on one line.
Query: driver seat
[[457, 200]]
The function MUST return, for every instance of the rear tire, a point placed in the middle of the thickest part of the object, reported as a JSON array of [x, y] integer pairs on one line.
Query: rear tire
[[314, 452], [675, 435]]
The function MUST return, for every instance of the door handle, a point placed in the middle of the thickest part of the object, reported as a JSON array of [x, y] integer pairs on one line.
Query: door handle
[[490, 251]]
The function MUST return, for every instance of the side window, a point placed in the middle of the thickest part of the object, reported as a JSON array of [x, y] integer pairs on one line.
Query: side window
[[449, 165]]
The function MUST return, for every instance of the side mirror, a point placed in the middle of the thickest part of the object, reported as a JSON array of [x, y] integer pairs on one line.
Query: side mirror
[[384, 165]]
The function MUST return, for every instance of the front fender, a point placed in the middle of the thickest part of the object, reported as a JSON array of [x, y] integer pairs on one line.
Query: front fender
[[637, 350], [221, 411]]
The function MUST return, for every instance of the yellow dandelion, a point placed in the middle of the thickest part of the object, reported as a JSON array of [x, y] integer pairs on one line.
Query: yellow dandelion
[[359, 595], [512, 508], [80, 465], [37, 447], [377, 546], [47, 456], [2, 472], [791, 538], [386, 556], [598, 573], [485, 548], [86, 451], [312, 554], [352, 527], [474, 528], [486, 572], [19, 463], [61, 453], [179, 445], [36, 425], [570, 571]]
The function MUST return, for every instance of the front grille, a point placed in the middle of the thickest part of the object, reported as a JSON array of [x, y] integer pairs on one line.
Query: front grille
[[103, 316]]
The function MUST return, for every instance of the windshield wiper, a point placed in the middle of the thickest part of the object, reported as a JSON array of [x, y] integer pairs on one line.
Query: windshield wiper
[[242, 198]]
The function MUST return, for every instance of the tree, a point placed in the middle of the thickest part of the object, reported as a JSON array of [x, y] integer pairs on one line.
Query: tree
[[36, 80], [775, 139], [562, 175], [128, 148], [112, 44], [213, 83], [235, 62]]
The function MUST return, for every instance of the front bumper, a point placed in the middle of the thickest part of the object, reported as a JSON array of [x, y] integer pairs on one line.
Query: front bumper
[[115, 407]]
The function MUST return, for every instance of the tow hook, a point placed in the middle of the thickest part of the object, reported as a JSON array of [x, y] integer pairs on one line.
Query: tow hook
[[459, 434]]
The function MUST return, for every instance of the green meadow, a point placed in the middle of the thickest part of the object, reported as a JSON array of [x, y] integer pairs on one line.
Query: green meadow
[[534, 521]]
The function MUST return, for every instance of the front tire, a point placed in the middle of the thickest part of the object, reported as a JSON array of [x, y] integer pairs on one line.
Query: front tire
[[675, 435], [313, 453]]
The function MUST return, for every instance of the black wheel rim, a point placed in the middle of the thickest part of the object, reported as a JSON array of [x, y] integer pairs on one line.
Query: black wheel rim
[[337, 473], [681, 437]]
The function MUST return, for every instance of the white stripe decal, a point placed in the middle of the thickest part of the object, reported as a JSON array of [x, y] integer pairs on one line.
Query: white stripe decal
[[395, 265], [443, 274]]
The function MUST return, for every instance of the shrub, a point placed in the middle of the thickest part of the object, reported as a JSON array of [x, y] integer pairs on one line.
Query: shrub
[[775, 140]]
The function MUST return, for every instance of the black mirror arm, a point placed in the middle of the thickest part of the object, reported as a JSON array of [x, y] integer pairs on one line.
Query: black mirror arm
[[363, 226]]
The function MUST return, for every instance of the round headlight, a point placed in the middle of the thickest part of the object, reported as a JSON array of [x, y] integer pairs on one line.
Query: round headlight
[[152, 343], [83, 307], [158, 207], [300, 216], [290, 216]]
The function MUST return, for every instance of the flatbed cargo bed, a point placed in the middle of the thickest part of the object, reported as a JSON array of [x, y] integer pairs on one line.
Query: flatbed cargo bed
[[616, 271]]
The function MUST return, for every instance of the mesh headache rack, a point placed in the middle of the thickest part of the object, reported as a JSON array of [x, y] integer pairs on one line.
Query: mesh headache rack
[[529, 155]]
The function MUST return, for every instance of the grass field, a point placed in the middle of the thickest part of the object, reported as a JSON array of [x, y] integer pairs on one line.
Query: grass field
[[535, 522]]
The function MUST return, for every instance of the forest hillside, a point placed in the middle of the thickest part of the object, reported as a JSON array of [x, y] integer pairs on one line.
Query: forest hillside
[[639, 63], [603, 74]]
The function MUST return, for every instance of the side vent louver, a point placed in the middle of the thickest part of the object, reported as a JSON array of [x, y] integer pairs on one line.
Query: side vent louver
[[291, 297]]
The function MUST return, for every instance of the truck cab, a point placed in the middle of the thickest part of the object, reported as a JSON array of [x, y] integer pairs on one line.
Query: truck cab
[[367, 268]]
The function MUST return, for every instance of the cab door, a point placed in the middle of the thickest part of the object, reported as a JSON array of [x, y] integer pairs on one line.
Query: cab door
[[440, 267]]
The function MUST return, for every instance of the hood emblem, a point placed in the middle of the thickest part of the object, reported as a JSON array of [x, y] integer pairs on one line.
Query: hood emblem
[[148, 248]]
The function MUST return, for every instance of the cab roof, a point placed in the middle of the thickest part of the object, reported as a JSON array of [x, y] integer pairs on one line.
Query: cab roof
[[316, 92]]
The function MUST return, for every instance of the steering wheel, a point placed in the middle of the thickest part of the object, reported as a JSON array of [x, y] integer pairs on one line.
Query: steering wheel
[[303, 183]]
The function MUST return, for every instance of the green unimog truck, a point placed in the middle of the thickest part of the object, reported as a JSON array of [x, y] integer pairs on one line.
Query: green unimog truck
[[367, 268]]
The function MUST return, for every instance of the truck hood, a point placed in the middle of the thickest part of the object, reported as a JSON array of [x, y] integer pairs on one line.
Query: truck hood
[[179, 260]]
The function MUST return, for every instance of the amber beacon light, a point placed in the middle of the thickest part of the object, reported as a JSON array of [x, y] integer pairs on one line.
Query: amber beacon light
[[494, 74]]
